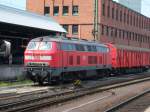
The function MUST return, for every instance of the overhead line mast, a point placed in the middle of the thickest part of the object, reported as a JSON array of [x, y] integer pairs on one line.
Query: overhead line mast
[[95, 30]]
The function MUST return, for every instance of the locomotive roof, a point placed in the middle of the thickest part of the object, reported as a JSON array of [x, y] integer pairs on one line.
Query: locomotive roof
[[65, 40]]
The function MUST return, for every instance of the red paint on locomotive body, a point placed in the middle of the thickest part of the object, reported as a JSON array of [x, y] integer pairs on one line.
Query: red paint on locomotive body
[[54, 57]]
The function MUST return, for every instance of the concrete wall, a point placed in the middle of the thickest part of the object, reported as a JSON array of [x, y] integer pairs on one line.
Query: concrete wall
[[10, 72]]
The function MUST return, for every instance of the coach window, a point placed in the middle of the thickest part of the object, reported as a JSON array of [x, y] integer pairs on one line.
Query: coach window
[[71, 47], [80, 47], [99, 49], [64, 46], [75, 10], [89, 48], [94, 48], [46, 10], [56, 10], [75, 29]]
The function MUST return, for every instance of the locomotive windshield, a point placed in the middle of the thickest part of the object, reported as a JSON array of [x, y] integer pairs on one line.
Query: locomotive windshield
[[39, 45]]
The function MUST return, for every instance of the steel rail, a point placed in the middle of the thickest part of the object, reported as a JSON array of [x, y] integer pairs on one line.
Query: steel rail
[[120, 105], [28, 105]]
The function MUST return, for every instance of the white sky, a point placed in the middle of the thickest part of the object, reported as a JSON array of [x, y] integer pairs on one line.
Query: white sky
[[21, 4]]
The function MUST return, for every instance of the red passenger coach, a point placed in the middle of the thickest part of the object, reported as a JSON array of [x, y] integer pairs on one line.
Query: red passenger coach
[[129, 59], [50, 59]]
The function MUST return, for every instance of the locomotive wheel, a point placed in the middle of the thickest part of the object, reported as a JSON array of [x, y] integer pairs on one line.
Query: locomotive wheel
[[41, 82]]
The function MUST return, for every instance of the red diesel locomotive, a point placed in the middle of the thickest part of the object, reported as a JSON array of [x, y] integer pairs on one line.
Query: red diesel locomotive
[[55, 59]]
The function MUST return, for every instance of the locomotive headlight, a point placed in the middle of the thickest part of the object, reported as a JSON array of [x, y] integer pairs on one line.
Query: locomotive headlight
[[27, 57], [45, 57]]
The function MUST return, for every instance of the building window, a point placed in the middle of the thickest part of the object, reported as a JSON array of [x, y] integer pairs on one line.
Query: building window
[[123, 34], [131, 19], [116, 32], [112, 34], [103, 9], [75, 10], [112, 13], [124, 17], [65, 10], [46, 10], [117, 14], [108, 11], [56, 10], [128, 18], [119, 33], [74, 29], [107, 31], [137, 21], [134, 20], [66, 27], [120, 16], [102, 31]]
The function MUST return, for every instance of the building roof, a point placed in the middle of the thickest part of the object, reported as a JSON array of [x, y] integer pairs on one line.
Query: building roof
[[28, 19]]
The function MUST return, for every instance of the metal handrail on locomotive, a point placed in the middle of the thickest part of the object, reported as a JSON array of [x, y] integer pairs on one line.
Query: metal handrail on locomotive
[[50, 59]]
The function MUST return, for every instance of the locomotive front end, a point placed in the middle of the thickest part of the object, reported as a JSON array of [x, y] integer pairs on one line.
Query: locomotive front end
[[38, 56]]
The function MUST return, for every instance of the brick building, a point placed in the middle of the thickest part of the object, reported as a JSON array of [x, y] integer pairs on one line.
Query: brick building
[[105, 20]]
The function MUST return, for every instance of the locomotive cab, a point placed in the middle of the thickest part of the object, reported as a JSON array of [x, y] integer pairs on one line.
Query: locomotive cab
[[38, 60]]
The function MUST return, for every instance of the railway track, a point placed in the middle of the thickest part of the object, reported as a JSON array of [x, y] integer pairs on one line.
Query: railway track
[[50, 99], [136, 103]]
